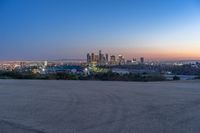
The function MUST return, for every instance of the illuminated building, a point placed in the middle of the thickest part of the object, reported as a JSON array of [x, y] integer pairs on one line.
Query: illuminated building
[[100, 57], [93, 57], [106, 58], [121, 60], [88, 58], [142, 60], [112, 60]]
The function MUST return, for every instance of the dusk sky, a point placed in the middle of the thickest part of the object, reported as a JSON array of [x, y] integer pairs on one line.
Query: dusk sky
[[69, 29]]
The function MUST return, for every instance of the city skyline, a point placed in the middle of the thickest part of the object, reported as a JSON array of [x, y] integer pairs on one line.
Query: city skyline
[[156, 30]]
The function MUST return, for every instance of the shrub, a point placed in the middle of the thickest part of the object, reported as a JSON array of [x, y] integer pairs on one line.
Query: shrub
[[176, 78]]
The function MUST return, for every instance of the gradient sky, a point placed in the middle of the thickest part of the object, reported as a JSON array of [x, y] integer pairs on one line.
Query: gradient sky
[[54, 29]]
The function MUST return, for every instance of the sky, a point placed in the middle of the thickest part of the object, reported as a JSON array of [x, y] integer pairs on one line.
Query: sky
[[69, 29]]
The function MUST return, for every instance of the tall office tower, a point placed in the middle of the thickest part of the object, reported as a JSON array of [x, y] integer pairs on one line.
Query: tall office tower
[[112, 60], [22, 64], [121, 60], [103, 59], [120, 57], [45, 63], [142, 60], [106, 58], [93, 57], [96, 58], [134, 60], [100, 57], [88, 58]]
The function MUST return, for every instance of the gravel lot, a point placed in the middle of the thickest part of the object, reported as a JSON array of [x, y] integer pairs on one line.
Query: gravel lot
[[30, 106]]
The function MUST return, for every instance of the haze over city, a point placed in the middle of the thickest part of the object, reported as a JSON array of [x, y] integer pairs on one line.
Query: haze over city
[[58, 29]]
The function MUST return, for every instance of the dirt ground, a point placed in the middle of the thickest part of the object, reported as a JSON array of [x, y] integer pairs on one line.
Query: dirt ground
[[31, 106]]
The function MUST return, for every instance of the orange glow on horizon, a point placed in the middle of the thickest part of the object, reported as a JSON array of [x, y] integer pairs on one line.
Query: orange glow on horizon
[[160, 54]]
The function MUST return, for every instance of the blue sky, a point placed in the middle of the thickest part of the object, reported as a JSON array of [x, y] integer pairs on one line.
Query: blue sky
[[52, 29]]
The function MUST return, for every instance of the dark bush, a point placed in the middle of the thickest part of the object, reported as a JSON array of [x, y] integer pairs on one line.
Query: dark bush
[[176, 78]]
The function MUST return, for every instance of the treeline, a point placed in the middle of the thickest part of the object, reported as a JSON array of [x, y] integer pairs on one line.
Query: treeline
[[29, 75], [176, 70], [198, 77], [16, 75], [109, 76], [185, 70]]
